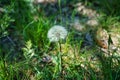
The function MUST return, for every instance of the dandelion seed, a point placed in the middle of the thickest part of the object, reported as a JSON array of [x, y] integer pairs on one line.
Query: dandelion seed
[[57, 33]]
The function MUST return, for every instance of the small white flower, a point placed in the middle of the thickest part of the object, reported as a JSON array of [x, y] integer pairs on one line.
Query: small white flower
[[57, 33]]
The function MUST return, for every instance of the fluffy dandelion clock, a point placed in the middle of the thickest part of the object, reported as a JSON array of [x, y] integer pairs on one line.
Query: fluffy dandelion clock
[[57, 33]]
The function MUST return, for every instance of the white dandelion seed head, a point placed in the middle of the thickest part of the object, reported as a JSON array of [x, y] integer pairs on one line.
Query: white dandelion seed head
[[57, 33]]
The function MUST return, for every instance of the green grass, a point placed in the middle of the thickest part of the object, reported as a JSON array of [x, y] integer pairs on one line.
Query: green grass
[[24, 44]]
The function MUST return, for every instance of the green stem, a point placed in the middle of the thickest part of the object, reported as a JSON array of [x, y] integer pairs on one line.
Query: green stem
[[60, 58], [59, 3]]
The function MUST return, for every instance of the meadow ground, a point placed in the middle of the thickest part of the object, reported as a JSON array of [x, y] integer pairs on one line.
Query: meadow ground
[[59, 40]]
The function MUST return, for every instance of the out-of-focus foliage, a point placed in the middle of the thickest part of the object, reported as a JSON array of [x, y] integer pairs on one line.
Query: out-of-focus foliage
[[6, 20], [110, 7]]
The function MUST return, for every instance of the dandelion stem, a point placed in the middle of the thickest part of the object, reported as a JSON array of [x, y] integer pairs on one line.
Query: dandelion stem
[[59, 46], [60, 58]]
